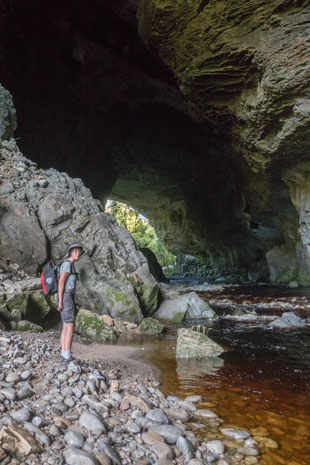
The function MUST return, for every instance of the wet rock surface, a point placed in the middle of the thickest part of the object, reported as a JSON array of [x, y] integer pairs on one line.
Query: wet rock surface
[[89, 413]]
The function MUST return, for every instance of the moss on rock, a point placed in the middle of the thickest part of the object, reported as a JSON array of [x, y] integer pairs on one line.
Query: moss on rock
[[25, 325], [178, 317], [151, 326], [149, 297], [90, 325]]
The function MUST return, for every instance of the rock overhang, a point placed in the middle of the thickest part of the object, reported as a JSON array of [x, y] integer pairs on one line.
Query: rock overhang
[[194, 124]]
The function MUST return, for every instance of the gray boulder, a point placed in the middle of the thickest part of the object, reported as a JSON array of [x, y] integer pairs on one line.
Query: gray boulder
[[288, 320], [170, 433], [151, 326], [89, 324], [44, 211], [191, 344], [189, 306]]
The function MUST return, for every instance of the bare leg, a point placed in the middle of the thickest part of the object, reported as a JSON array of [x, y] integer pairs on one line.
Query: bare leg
[[68, 335], [63, 336]]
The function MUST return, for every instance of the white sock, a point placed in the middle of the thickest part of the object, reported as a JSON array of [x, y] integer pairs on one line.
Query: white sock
[[67, 354], [62, 353]]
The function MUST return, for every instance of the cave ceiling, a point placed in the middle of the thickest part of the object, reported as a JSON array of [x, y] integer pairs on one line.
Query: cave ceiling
[[189, 111]]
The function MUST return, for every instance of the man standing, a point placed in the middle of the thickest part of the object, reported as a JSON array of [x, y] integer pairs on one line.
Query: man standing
[[66, 289]]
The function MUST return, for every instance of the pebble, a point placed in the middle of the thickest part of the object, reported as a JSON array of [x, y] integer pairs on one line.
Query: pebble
[[92, 423], [235, 433], [132, 427], [37, 421], [157, 415], [150, 438], [186, 447], [109, 451], [12, 378], [194, 399], [73, 438], [25, 393], [75, 456], [178, 414], [216, 447], [248, 450], [204, 413], [169, 432], [84, 414], [22, 414], [163, 450]]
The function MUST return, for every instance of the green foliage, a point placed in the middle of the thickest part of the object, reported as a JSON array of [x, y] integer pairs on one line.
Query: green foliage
[[141, 230]]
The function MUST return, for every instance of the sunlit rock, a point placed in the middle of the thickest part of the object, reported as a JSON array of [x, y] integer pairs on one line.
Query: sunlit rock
[[288, 320], [189, 306], [90, 325], [191, 344]]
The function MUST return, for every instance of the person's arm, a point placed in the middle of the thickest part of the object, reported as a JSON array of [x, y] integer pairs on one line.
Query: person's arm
[[61, 288]]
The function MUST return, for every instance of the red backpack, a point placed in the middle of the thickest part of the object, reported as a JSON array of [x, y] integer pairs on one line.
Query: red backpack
[[49, 278]]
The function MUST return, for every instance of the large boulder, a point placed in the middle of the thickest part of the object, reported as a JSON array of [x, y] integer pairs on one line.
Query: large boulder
[[44, 211], [34, 307], [191, 344], [25, 325], [90, 325], [189, 306]]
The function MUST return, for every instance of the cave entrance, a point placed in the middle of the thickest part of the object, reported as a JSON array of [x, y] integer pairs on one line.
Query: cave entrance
[[141, 230]]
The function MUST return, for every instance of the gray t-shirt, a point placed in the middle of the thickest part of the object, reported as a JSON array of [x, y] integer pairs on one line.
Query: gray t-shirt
[[67, 267]]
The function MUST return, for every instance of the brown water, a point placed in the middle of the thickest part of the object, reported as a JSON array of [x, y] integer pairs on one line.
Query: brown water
[[263, 380]]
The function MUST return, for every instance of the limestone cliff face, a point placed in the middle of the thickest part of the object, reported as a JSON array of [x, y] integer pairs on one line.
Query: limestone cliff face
[[195, 112], [242, 68], [43, 211]]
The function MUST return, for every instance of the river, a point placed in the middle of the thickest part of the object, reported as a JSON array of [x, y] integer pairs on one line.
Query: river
[[263, 378]]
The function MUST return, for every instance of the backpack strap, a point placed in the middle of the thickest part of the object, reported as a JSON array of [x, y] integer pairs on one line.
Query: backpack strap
[[71, 265]]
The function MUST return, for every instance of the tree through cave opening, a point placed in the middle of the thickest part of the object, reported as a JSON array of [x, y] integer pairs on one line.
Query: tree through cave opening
[[142, 231]]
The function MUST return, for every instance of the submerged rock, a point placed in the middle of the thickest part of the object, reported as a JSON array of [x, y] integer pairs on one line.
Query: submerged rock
[[189, 306], [191, 344]]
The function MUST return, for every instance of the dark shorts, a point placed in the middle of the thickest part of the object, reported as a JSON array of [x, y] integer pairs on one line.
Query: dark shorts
[[68, 312]]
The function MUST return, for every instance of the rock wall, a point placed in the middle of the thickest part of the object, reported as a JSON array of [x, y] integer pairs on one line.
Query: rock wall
[[43, 211], [192, 112]]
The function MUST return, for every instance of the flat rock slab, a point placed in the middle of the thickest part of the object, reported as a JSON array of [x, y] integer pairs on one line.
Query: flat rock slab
[[18, 441]]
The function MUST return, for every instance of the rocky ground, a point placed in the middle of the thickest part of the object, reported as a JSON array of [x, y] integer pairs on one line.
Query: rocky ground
[[101, 409]]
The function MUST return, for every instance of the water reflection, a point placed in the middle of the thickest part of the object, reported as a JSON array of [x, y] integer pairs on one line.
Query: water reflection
[[264, 378], [191, 369]]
